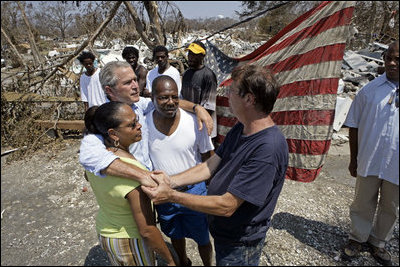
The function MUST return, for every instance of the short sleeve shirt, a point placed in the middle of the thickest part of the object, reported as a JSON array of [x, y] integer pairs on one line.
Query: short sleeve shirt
[[171, 72], [378, 129], [115, 219], [252, 168], [200, 87], [91, 90]]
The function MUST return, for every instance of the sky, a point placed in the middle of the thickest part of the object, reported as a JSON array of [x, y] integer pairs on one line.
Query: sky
[[208, 9]]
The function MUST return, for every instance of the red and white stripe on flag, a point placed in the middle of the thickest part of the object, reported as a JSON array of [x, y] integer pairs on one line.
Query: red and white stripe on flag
[[306, 58]]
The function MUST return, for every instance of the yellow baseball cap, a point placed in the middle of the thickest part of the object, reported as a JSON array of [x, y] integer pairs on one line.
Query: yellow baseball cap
[[195, 48]]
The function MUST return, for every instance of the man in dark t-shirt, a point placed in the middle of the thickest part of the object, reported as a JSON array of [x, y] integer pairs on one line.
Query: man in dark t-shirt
[[247, 171], [199, 83]]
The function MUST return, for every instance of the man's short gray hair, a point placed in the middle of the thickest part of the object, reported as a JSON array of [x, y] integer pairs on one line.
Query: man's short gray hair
[[107, 73]]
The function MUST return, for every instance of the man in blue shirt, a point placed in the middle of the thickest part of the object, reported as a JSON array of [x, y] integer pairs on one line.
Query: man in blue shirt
[[373, 122], [247, 171]]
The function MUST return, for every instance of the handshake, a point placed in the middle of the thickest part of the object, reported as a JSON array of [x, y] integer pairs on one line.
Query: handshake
[[162, 192]]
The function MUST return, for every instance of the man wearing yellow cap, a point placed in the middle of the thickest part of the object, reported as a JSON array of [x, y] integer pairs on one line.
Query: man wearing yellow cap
[[199, 83]]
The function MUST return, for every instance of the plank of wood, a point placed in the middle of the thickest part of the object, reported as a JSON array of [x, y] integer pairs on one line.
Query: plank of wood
[[63, 124], [32, 97]]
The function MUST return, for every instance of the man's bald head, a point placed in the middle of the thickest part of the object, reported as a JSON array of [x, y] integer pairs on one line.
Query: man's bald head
[[161, 80]]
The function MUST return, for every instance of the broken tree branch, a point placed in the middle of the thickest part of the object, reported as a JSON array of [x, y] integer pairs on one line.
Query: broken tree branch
[[13, 48], [152, 11], [35, 51], [139, 25]]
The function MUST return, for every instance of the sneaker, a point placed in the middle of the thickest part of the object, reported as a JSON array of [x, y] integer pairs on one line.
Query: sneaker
[[381, 255], [352, 248]]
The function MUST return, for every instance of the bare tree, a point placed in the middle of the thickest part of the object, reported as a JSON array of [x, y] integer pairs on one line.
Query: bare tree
[[87, 42], [58, 17]]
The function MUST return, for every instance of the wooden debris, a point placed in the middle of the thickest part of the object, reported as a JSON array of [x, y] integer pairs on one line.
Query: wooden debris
[[63, 124]]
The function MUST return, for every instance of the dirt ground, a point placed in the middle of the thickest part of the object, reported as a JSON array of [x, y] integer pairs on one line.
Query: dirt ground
[[47, 219]]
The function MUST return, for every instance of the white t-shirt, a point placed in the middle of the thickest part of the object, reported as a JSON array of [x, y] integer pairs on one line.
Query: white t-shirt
[[181, 150], [91, 90], [171, 72]]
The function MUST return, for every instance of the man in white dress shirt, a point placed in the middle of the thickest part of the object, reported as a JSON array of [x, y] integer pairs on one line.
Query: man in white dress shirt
[[373, 122]]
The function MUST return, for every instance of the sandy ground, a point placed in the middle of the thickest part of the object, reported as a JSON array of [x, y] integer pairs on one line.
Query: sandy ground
[[47, 219]]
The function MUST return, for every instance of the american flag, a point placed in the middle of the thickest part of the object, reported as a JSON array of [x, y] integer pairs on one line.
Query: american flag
[[306, 57]]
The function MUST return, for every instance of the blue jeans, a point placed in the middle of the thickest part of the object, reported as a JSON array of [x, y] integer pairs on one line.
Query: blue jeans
[[238, 255]]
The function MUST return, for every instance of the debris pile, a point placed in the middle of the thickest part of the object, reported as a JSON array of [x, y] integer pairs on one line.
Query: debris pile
[[358, 68]]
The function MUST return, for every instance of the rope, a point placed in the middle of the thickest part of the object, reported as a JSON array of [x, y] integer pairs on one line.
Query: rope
[[238, 23]]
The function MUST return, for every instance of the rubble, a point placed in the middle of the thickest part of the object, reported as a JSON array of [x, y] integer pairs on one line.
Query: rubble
[[358, 67]]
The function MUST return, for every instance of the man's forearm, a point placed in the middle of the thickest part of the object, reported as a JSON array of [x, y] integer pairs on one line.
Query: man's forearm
[[196, 174], [186, 105], [125, 170], [201, 114], [224, 205]]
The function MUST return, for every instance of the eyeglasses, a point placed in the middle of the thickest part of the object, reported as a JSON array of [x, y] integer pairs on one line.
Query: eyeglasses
[[133, 125]]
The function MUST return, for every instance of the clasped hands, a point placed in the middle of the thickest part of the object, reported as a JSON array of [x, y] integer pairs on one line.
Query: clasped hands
[[162, 192]]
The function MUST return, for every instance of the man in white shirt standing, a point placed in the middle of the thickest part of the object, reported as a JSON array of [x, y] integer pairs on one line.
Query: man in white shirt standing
[[160, 56], [175, 145], [92, 94], [373, 122]]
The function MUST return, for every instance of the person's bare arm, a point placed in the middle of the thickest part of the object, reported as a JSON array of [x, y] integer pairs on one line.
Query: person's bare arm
[[126, 170], [143, 215], [224, 205], [142, 82], [196, 174], [201, 114], [353, 142]]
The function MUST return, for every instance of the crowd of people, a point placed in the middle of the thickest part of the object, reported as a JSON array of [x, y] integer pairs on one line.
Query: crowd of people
[[150, 140]]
